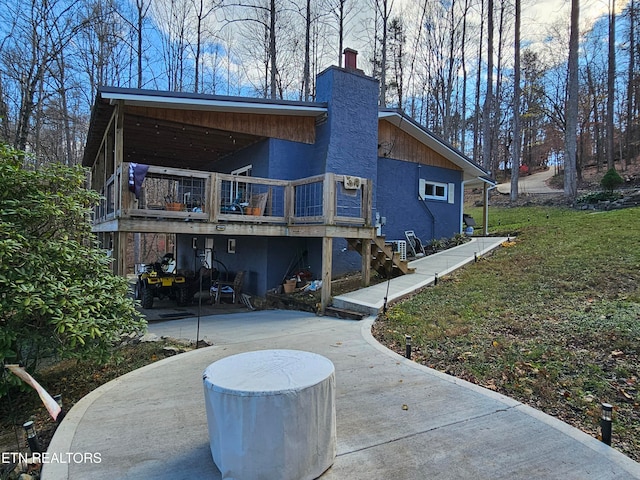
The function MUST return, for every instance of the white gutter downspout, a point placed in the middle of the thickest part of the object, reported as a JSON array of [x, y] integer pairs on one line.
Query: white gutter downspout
[[485, 209]]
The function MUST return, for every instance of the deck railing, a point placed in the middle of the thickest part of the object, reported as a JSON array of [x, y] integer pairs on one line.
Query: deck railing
[[178, 194]]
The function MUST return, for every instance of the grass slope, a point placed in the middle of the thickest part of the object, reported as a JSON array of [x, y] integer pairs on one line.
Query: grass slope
[[553, 320]]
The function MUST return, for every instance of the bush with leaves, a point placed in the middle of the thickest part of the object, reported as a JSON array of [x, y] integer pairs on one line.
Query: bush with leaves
[[611, 180], [595, 197], [58, 296]]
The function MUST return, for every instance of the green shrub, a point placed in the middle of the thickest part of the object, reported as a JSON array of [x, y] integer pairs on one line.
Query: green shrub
[[596, 197], [58, 295], [611, 180]]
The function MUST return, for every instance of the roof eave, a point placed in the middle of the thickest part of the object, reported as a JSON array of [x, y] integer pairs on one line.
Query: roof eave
[[407, 124], [211, 103]]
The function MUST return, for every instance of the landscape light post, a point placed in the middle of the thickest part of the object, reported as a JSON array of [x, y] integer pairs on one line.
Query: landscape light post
[[32, 437], [605, 422], [407, 341]]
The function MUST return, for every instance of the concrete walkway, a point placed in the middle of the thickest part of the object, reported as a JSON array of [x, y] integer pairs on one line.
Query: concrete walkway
[[370, 300], [395, 418]]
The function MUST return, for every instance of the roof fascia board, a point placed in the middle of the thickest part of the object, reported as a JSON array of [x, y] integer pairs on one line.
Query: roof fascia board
[[470, 169], [218, 105]]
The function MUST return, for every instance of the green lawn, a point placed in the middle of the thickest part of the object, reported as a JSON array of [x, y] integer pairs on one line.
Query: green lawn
[[552, 320]]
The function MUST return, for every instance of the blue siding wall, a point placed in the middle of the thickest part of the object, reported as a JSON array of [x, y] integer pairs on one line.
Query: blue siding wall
[[279, 159], [256, 155], [292, 160], [397, 186], [265, 260]]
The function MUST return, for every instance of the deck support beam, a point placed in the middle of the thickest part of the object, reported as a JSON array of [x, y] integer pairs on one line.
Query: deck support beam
[[366, 263], [327, 259]]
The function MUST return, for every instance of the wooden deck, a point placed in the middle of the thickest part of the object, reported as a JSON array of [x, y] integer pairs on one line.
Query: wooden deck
[[179, 201], [197, 202]]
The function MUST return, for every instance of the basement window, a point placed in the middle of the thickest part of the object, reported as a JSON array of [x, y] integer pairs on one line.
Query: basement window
[[437, 191], [433, 190]]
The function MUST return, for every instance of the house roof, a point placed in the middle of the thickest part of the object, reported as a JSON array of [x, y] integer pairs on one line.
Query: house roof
[[472, 172], [154, 137], [217, 103]]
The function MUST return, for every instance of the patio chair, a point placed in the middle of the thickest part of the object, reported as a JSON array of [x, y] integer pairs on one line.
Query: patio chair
[[233, 290]]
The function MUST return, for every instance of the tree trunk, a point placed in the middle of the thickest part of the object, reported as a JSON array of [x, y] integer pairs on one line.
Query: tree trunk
[[488, 100], [476, 116], [463, 129], [611, 78], [307, 40], [517, 92], [570, 178], [632, 67], [383, 61], [272, 49]]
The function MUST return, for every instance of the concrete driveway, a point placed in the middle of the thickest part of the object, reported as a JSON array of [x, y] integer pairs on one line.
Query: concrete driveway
[[395, 418], [535, 183]]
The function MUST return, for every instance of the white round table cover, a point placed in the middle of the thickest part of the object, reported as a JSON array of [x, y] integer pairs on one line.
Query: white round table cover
[[271, 414]]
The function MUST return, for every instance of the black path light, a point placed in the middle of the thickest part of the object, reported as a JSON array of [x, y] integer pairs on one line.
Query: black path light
[[32, 437], [407, 343], [605, 422]]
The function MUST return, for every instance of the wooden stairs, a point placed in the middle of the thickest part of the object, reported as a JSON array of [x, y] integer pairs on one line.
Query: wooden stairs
[[383, 259]]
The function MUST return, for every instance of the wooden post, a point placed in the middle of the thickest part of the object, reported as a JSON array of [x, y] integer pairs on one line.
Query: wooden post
[[120, 253], [289, 203], [366, 262], [213, 201], [485, 211], [327, 259], [329, 198]]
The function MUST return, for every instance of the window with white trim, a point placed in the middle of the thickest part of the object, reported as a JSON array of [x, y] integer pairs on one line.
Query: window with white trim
[[437, 191]]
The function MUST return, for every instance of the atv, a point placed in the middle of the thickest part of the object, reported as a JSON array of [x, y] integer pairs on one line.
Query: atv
[[160, 280]]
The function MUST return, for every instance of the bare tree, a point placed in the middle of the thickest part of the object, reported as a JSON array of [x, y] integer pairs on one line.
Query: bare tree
[[611, 81], [398, 40], [37, 33], [630, 77], [476, 117], [342, 10], [517, 92], [383, 10], [463, 59], [570, 178], [201, 10], [174, 16], [488, 99], [264, 13]]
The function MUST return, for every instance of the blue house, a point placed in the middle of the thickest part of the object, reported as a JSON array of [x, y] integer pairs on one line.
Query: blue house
[[268, 187]]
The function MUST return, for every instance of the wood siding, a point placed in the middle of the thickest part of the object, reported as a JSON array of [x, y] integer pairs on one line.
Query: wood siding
[[399, 145], [294, 128]]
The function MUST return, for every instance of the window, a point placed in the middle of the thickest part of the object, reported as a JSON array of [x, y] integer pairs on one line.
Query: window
[[437, 191], [433, 190]]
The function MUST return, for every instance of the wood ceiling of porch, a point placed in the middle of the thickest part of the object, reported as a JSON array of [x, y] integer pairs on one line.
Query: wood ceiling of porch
[[173, 144]]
